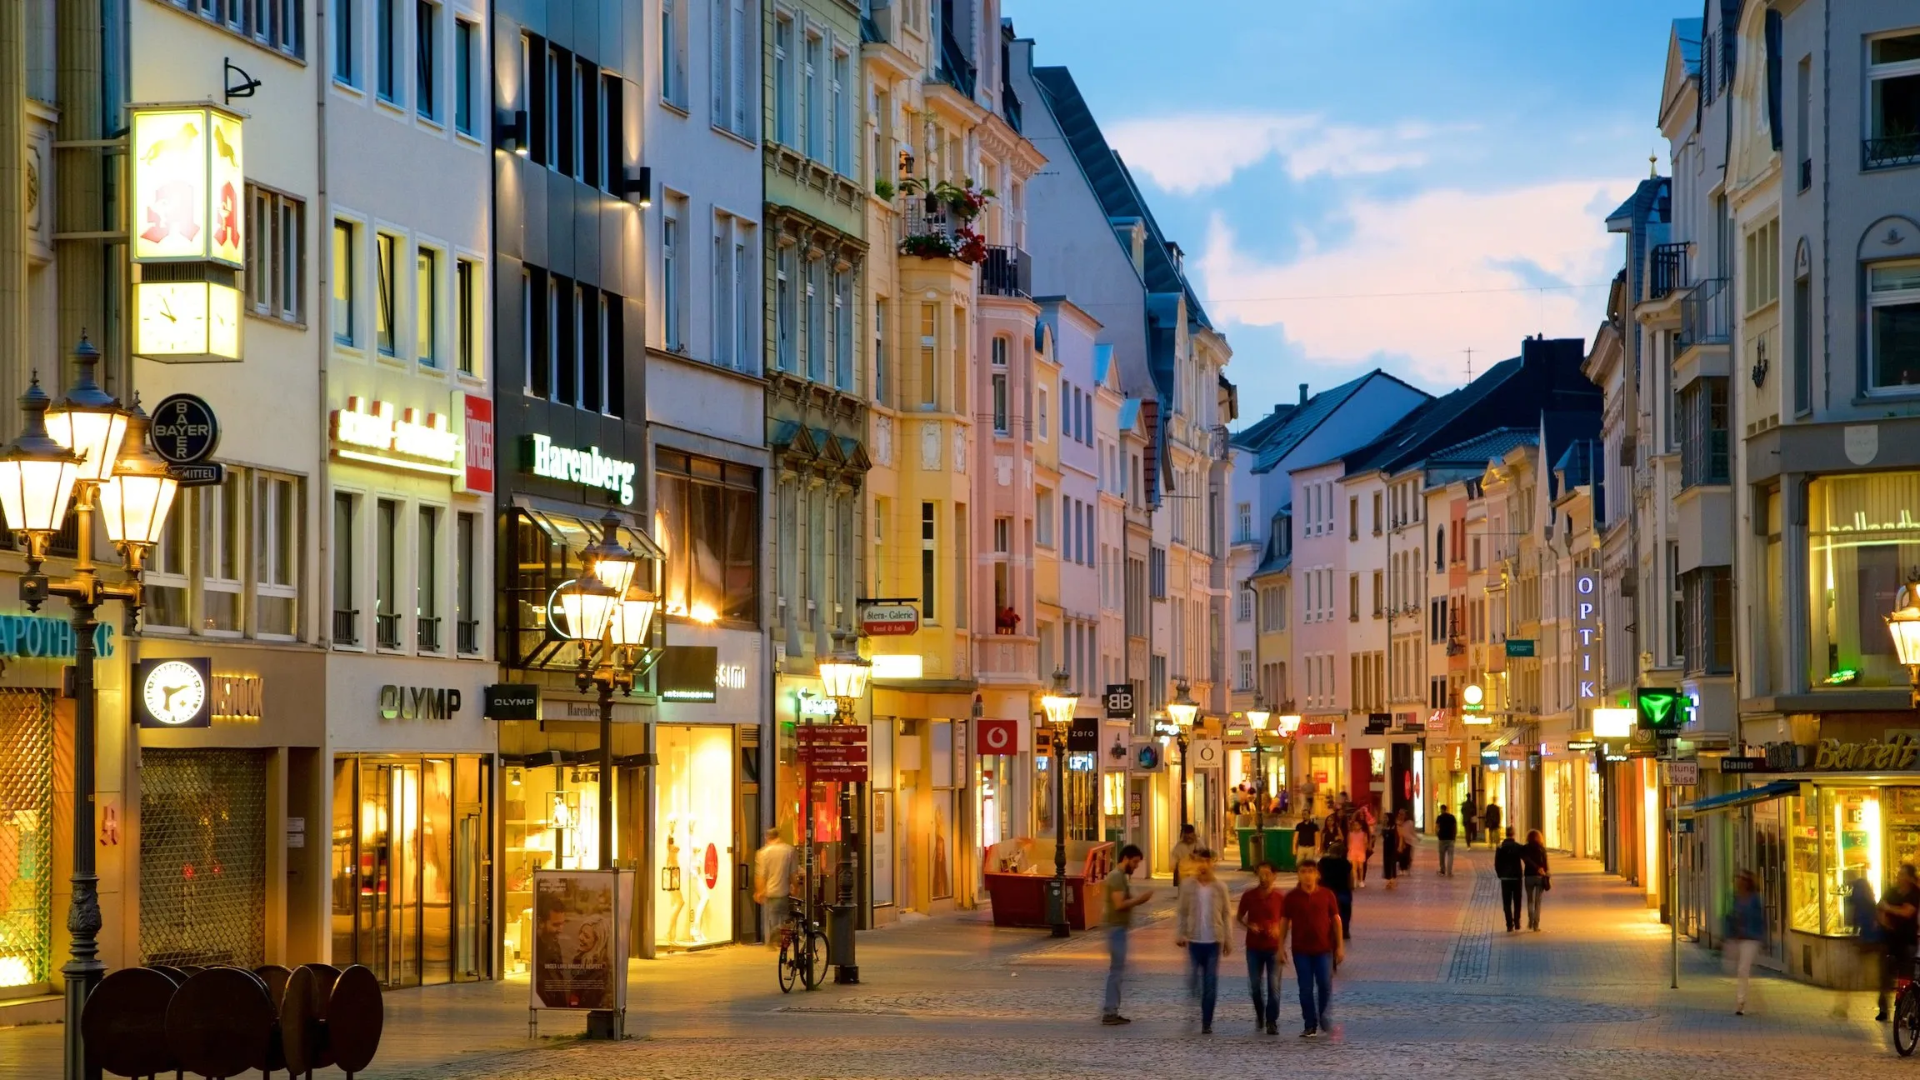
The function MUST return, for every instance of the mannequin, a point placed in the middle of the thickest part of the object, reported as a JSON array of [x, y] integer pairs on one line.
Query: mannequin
[[693, 881], [676, 890]]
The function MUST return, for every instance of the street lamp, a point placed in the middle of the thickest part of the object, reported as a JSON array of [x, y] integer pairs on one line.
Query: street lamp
[[1904, 624], [1183, 710], [844, 676], [1059, 705], [72, 451], [1258, 716], [611, 619]]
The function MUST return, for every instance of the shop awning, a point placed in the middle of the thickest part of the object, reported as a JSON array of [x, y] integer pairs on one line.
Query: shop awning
[[1729, 800]]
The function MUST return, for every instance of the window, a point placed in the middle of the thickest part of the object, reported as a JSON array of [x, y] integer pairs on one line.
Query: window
[[346, 612], [1045, 430], [843, 329], [1379, 594], [346, 35], [1243, 606], [426, 306], [816, 312], [746, 311], [1763, 266], [426, 63], [386, 537], [1802, 344], [1703, 407], [276, 555], [222, 523], [929, 346], [999, 360], [1677, 624], [344, 280], [1043, 516], [927, 541], [842, 108], [426, 580], [1244, 658], [559, 111], [466, 49], [466, 325], [709, 521], [275, 24], [673, 289], [882, 359], [673, 77], [1376, 514], [386, 59], [276, 254], [540, 103], [813, 72], [1893, 332], [783, 83], [1353, 517], [785, 288], [1709, 611], [612, 133], [1893, 96], [1353, 597], [731, 69], [1157, 572], [466, 556], [1803, 104], [386, 247]]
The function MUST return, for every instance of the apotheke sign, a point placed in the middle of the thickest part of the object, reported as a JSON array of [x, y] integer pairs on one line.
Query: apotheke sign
[[540, 457]]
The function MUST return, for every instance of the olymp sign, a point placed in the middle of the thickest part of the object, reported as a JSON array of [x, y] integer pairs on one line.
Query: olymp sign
[[418, 702]]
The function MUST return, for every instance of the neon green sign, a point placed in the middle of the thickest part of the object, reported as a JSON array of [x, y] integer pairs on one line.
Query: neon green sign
[[1661, 709]]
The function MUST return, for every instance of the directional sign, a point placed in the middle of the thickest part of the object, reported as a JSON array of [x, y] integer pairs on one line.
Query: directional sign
[[889, 620], [831, 754], [836, 773], [832, 733], [1683, 773]]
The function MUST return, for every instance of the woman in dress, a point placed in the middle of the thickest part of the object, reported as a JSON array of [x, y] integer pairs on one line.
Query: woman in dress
[[1408, 838], [1357, 844]]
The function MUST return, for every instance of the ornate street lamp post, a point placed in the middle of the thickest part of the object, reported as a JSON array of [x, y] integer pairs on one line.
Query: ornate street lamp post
[[844, 677], [1059, 705], [1904, 624], [612, 621], [1183, 710], [91, 451], [1257, 716]]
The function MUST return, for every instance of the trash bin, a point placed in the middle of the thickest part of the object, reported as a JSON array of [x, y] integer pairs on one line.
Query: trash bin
[[841, 920], [1279, 845], [1249, 855]]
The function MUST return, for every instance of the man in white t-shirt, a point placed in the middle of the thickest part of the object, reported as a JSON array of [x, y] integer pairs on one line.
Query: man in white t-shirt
[[773, 868]]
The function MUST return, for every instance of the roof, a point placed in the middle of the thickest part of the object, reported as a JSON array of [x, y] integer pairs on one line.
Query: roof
[[1306, 419], [1251, 436], [1102, 363], [1545, 376], [1480, 449], [1129, 414], [1688, 33], [1580, 464]]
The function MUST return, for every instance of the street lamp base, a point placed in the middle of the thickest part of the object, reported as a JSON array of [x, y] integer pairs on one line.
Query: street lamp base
[[607, 1024], [1062, 930], [846, 975]]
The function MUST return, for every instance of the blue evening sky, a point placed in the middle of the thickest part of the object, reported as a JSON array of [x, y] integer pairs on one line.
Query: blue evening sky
[[1388, 183]]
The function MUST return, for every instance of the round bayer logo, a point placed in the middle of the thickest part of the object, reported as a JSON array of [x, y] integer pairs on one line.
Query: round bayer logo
[[184, 429]]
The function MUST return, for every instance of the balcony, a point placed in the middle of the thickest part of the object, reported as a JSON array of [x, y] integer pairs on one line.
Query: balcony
[[467, 632], [1706, 314], [387, 630], [1666, 270], [427, 629], [1007, 272], [346, 627], [1891, 152], [1008, 658]]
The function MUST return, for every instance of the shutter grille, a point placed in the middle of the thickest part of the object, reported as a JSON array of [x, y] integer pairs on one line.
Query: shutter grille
[[26, 838], [203, 857]]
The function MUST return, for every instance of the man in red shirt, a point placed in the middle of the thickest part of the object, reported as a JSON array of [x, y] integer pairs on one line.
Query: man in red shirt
[[1260, 914], [1313, 915]]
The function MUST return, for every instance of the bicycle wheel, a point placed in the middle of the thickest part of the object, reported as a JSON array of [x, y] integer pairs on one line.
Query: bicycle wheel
[[815, 959], [1906, 1022], [788, 969]]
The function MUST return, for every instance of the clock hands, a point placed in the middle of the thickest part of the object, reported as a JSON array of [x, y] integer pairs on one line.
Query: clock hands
[[166, 308]]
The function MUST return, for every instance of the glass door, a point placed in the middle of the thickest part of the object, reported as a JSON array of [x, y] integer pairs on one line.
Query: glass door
[[436, 871], [471, 869], [387, 937]]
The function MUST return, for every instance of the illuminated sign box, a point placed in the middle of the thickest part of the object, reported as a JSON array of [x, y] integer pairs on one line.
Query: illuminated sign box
[[1613, 723], [379, 433], [539, 456], [687, 673], [189, 185]]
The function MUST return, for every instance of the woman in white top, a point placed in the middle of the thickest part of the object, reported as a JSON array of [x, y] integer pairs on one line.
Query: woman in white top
[[1204, 929]]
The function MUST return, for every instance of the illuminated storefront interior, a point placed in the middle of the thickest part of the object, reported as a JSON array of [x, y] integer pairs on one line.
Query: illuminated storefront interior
[[694, 847]]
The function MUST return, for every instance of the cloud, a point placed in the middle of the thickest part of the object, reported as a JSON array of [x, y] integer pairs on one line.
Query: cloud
[[1425, 277], [1192, 153]]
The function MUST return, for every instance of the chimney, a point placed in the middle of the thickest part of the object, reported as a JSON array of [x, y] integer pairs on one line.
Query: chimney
[[1303, 393]]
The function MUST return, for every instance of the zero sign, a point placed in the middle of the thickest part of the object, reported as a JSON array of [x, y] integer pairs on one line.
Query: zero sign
[[997, 738]]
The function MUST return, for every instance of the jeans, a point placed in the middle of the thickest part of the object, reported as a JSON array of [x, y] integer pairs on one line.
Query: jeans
[[1446, 857], [1116, 968], [1205, 956], [1345, 900], [1263, 984], [1510, 901], [773, 916], [1314, 973], [1744, 950], [1535, 886]]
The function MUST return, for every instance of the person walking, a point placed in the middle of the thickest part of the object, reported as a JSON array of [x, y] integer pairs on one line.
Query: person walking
[[1899, 924], [1121, 900], [1313, 916], [1390, 850], [1863, 918], [1746, 928], [1203, 930], [1260, 914], [1446, 827], [1336, 876], [1510, 867], [1306, 833], [1409, 838], [1358, 843], [1533, 864], [773, 868], [1490, 819], [1182, 854], [1471, 819]]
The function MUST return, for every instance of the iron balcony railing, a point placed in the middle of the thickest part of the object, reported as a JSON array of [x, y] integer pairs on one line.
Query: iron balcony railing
[[1706, 314], [346, 627], [387, 629], [1007, 272], [467, 633], [1666, 270], [1890, 152], [427, 628]]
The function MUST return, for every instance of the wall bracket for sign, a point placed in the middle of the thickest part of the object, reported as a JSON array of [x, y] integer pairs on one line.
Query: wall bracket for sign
[[242, 89]]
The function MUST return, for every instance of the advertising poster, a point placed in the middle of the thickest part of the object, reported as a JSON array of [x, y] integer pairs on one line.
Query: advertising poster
[[580, 947], [880, 857]]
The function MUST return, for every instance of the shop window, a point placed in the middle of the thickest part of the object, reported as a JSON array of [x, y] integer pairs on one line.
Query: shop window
[[694, 846], [541, 553], [26, 841], [1860, 545], [708, 522]]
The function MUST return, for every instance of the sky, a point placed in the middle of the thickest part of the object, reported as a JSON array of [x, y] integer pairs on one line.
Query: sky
[[1387, 183]]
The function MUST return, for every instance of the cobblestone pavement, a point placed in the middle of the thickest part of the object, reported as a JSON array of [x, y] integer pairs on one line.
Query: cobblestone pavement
[[1431, 988]]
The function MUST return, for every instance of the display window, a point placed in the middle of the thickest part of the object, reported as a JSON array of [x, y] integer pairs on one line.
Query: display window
[[993, 791], [1861, 537], [694, 843], [1841, 834]]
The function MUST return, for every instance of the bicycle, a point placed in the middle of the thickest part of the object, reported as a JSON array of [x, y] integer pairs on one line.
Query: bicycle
[[1906, 1015], [803, 952]]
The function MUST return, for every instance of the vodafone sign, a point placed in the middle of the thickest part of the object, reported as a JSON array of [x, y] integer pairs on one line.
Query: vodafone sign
[[996, 737]]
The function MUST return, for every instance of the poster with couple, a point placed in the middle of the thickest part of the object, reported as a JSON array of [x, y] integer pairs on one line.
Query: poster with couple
[[582, 941]]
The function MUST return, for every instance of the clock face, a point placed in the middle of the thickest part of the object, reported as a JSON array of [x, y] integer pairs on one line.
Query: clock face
[[172, 318], [174, 692]]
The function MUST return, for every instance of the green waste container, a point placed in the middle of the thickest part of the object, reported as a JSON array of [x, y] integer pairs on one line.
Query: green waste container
[[1248, 856], [1280, 849]]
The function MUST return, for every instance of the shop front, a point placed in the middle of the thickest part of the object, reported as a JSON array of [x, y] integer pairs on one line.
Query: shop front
[[411, 818], [227, 792], [1324, 776]]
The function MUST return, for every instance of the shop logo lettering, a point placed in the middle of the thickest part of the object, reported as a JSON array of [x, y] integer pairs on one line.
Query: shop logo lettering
[[38, 636], [1898, 752], [541, 458], [418, 703]]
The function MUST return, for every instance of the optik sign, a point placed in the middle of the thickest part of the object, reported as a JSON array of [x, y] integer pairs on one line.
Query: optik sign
[[1586, 631]]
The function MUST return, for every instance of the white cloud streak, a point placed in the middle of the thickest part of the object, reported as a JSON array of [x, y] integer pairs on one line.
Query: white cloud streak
[[1193, 153]]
